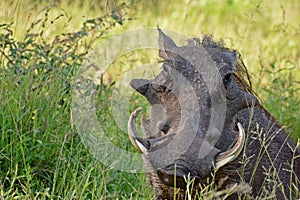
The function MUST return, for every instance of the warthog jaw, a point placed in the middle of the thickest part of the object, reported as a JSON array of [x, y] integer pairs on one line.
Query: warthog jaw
[[146, 145]]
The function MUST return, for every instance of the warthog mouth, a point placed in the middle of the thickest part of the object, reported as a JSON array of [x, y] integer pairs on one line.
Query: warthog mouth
[[178, 173]]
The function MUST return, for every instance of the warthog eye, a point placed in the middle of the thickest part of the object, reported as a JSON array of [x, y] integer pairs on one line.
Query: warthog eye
[[227, 78]]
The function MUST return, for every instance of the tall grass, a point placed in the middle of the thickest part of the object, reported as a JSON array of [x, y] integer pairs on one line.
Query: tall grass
[[41, 155], [42, 46]]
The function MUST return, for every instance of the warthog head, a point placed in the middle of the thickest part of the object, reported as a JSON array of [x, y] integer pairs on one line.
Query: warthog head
[[195, 126]]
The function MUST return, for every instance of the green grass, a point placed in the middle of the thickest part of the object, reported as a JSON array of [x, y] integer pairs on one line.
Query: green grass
[[42, 46]]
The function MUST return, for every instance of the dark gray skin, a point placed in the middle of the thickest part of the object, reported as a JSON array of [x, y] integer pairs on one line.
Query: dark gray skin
[[267, 147]]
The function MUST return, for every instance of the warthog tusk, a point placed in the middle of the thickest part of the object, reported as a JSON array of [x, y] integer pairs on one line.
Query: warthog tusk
[[228, 156], [137, 142]]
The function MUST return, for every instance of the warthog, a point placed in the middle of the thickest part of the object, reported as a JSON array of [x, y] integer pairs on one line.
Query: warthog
[[207, 126]]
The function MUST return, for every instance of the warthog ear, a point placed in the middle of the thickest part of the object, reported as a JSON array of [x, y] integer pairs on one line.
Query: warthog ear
[[166, 44]]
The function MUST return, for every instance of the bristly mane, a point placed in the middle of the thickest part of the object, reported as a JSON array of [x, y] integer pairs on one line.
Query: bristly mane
[[241, 74], [240, 71]]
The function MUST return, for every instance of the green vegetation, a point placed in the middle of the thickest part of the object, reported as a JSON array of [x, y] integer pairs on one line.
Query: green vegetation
[[43, 44]]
